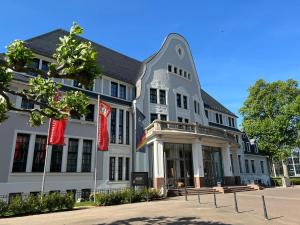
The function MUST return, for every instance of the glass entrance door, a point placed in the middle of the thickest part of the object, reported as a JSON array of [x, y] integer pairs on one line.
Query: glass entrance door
[[179, 165], [213, 170]]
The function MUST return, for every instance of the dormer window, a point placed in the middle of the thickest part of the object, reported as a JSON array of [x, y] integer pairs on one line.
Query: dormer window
[[175, 69]]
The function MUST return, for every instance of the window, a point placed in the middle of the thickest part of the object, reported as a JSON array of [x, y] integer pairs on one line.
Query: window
[[153, 95], [127, 168], [35, 65], [163, 117], [262, 168], [247, 165], [162, 97], [72, 155], [170, 68], [217, 118], [195, 106], [178, 98], [45, 65], [121, 125], [21, 151], [206, 114], [112, 168], [253, 166], [39, 153], [189, 76], [179, 119], [26, 104], [56, 158], [231, 162], [85, 194], [184, 73], [77, 84], [255, 148], [185, 105], [90, 115], [233, 122], [248, 147], [221, 118], [114, 89], [120, 168], [186, 120], [229, 121], [127, 127], [180, 72], [237, 138], [122, 91], [153, 117], [113, 125], [198, 104], [240, 164], [175, 69], [87, 155]]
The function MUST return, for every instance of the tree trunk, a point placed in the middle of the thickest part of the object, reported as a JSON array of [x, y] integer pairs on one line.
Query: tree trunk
[[285, 169]]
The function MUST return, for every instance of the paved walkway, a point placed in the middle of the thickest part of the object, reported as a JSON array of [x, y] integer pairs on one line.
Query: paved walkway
[[283, 207]]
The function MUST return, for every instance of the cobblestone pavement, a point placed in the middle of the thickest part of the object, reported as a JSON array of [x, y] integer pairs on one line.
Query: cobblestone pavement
[[283, 208]]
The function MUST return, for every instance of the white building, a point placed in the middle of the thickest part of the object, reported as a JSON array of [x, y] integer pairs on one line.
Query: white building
[[191, 138]]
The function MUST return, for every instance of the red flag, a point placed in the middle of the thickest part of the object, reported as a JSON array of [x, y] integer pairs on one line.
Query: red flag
[[103, 138], [56, 133]]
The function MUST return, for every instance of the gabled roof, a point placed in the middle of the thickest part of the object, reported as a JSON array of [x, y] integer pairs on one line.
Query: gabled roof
[[112, 63], [211, 103]]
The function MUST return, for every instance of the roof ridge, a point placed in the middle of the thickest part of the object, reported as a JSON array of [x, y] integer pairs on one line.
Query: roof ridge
[[45, 34]]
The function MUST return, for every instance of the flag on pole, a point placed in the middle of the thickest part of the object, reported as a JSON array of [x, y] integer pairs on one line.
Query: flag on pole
[[140, 132], [103, 137], [56, 132]]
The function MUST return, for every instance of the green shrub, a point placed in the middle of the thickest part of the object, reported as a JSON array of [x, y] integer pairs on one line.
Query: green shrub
[[3, 208], [277, 181], [16, 205], [295, 180], [69, 201]]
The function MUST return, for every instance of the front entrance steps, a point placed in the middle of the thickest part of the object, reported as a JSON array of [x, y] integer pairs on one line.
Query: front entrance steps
[[208, 190]]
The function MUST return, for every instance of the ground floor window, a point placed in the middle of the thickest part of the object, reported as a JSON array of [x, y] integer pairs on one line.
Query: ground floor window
[[85, 194], [120, 168], [262, 167], [56, 158], [39, 153], [253, 166], [72, 155], [21, 151], [247, 165], [240, 164]]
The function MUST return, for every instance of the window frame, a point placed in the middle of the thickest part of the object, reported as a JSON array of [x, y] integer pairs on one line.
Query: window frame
[[72, 155], [114, 92], [112, 168], [153, 95], [86, 161], [19, 166]]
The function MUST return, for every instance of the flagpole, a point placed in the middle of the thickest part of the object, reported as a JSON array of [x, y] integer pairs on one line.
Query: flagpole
[[96, 149], [45, 162]]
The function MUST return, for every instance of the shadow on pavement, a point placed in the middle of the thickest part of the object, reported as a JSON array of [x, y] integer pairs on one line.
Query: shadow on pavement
[[163, 220]]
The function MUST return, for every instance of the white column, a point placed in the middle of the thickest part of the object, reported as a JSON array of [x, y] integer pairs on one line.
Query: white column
[[65, 156], [79, 157], [49, 158], [105, 166], [30, 153], [198, 159], [158, 161], [226, 161], [116, 168], [124, 168]]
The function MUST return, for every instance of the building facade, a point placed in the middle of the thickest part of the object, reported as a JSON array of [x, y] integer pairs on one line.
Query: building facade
[[192, 139]]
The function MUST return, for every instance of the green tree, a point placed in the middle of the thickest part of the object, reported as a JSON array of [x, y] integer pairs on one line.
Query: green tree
[[271, 114], [73, 59]]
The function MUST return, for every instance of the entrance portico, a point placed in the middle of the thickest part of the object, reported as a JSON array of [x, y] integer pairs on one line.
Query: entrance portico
[[190, 155]]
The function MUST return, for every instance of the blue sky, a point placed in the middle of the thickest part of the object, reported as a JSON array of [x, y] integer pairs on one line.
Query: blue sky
[[234, 43]]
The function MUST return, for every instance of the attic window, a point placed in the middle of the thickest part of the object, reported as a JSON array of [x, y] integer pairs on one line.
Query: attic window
[[179, 51]]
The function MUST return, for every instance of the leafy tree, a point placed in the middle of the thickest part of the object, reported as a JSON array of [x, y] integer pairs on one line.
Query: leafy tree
[[271, 114], [73, 59]]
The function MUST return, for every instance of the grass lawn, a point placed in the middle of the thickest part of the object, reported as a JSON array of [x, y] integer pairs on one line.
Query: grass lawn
[[84, 204]]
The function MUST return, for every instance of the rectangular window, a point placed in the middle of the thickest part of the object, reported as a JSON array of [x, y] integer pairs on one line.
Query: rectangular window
[[127, 127], [237, 138], [185, 103], [253, 166], [85, 194], [248, 147], [184, 73], [112, 168], [179, 119], [178, 99], [114, 89], [121, 125], [247, 165], [233, 122], [39, 153], [221, 118], [72, 155], [122, 91], [35, 65], [163, 117], [262, 168], [175, 69], [206, 114], [90, 115], [170, 68], [26, 104], [162, 97], [217, 118], [229, 121], [87, 155], [186, 120], [127, 168], [153, 95], [180, 72], [56, 158], [45, 66], [21, 152], [240, 164], [113, 125], [153, 117], [231, 161], [189, 76], [120, 168], [195, 106]]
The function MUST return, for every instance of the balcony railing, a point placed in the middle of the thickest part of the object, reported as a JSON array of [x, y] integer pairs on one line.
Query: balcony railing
[[159, 125]]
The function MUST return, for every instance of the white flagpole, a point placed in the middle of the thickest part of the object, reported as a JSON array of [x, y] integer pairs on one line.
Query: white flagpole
[[96, 150], [45, 162]]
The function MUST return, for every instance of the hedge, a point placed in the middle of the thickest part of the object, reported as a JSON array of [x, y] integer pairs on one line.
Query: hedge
[[126, 196], [34, 204], [278, 180]]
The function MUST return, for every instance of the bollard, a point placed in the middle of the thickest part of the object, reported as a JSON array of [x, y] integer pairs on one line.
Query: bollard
[[235, 203], [215, 200], [264, 208], [199, 197], [186, 194]]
